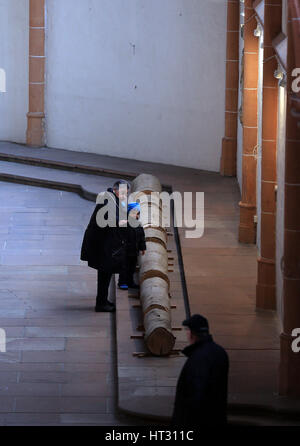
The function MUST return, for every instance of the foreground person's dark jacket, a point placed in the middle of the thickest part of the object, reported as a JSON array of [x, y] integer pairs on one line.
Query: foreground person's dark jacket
[[136, 240], [105, 248], [201, 396]]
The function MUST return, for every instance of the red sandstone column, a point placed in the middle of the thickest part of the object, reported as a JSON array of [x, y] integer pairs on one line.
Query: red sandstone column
[[290, 361], [229, 142], [247, 229], [266, 283], [35, 115]]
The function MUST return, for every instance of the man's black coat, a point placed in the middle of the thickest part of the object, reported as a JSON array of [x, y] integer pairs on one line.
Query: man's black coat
[[105, 248], [136, 240], [201, 395]]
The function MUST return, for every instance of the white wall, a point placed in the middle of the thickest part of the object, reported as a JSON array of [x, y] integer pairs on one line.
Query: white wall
[[162, 100], [14, 60]]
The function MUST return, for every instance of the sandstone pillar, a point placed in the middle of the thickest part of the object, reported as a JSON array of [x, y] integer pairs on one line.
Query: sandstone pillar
[[36, 114], [290, 361], [229, 142], [247, 228], [266, 283]]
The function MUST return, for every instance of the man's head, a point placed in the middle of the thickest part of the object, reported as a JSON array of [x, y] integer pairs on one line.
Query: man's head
[[197, 328], [121, 189]]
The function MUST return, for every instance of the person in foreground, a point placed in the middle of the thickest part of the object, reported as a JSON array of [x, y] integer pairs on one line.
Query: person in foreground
[[136, 243], [104, 248], [201, 394]]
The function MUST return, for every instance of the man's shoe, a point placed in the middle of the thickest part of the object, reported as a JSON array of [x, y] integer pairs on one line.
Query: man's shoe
[[123, 287], [107, 307]]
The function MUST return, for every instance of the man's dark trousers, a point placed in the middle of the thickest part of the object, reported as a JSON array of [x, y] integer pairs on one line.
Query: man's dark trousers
[[126, 275], [104, 278]]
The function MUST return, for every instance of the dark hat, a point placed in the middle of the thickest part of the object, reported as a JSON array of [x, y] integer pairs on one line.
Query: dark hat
[[120, 183], [197, 324]]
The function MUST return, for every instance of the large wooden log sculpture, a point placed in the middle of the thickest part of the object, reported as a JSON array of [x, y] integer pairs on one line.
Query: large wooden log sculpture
[[150, 211], [146, 183], [153, 273], [157, 235], [156, 294]]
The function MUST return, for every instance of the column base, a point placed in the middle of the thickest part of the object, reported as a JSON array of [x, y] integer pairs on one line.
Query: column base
[[35, 130], [247, 228], [228, 158], [266, 284], [289, 368]]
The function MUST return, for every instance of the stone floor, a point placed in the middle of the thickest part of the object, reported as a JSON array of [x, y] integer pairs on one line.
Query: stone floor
[[59, 367], [220, 274]]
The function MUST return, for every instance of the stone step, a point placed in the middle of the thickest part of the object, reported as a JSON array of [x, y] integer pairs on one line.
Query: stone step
[[85, 185], [63, 165]]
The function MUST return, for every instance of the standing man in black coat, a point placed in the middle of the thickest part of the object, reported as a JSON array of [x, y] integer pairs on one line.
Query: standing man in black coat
[[201, 395], [104, 243]]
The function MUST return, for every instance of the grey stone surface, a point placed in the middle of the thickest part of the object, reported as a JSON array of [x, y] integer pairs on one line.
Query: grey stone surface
[[91, 183], [215, 287], [59, 368]]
